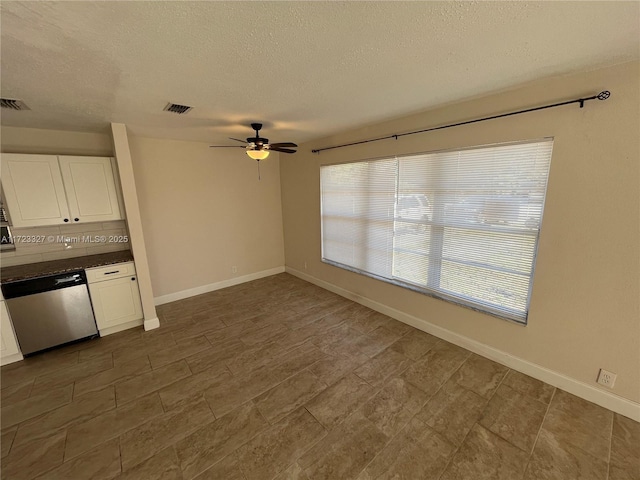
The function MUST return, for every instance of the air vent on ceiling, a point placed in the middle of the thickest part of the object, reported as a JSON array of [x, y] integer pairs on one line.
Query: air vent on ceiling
[[13, 104], [175, 108]]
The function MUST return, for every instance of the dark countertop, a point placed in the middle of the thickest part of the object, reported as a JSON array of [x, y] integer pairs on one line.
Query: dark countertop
[[41, 269]]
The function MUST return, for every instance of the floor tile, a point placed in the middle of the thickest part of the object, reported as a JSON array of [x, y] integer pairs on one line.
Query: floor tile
[[163, 465], [386, 412], [74, 373], [377, 340], [294, 472], [480, 375], [118, 373], [6, 440], [227, 334], [386, 364], [16, 393], [484, 455], [625, 449], [149, 438], [85, 436], [256, 356], [192, 386], [529, 386], [393, 406], [345, 451], [211, 443], [364, 319], [35, 405], [415, 344], [99, 346], [182, 349], [150, 342], [340, 400], [435, 368], [417, 452], [263, 334], [78, 411], [333, 368], [151, 381], [227, 469], [580, 423], [101, 463], [515, 417], [239, 389], [215, 356], [198, 329], [286, 397], [225, 397], [554, 459], [34, 458], [29, 368], [452, 411], [275, 449]]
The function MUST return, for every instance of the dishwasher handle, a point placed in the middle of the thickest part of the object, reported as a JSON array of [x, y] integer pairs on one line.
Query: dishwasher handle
[[72, 279]]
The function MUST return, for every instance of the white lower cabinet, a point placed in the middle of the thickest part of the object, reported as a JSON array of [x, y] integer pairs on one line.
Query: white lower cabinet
[[115, 297], [9, 350]]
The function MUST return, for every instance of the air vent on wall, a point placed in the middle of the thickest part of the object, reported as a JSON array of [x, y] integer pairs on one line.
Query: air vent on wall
[[175, 108], [13, 104]]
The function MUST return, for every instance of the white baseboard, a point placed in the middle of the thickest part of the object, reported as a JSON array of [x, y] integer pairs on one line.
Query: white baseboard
[[608, 400], [123, 326], [192, 292], [16, 357], [151, 324]]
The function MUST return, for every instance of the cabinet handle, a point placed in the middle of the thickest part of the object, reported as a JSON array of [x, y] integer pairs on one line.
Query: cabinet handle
[[76, 219], [111, 273], [66, 219], [133, 279]]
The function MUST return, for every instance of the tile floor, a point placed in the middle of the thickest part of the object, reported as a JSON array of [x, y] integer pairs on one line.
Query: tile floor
[[279, 379]]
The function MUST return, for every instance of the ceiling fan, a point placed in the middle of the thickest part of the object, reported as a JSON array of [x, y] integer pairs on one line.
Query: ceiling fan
[[257, 147]]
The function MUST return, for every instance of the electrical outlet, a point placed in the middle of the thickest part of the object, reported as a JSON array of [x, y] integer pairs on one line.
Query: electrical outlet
[[234, 269], [606, 378]]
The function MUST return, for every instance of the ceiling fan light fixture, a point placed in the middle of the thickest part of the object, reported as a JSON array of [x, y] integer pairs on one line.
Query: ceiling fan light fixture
[[258, 154]]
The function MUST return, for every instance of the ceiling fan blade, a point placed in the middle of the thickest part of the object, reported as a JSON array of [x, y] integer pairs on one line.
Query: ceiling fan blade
[[283, 150], [237, 140], [225, 146], [284, 144]]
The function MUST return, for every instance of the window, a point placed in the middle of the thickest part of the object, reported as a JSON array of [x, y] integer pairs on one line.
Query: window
[[460, 225]]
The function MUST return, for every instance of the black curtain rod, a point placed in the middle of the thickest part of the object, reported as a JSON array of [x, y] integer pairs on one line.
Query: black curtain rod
[[601, 96]]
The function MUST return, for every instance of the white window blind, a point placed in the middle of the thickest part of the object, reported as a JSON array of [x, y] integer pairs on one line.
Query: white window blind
[[460, 225]]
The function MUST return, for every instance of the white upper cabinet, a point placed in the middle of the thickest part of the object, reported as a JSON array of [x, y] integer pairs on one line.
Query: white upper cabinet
[[91, 188], [34, 190], [55, 190]]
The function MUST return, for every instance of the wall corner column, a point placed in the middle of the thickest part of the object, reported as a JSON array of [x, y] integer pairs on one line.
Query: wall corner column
[[134, 222]]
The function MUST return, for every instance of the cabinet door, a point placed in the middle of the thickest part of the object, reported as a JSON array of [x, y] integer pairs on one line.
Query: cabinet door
[[91, 188], [116, 301], [8, 343], [34, 190]]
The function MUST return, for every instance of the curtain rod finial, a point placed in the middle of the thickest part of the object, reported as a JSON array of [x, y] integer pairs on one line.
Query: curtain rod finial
[[603, 95]]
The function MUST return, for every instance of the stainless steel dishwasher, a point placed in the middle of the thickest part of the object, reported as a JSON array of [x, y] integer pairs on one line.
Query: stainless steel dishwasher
[[50, 311]]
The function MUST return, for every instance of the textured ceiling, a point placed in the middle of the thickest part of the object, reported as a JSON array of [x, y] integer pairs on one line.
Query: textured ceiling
[[306, 69]]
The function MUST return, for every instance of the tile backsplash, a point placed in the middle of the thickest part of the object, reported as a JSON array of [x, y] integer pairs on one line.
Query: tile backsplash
[[41, 244]]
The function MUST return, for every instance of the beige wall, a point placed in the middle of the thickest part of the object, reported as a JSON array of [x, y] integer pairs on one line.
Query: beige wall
[[55, 142], [585, 311], [205, 211]]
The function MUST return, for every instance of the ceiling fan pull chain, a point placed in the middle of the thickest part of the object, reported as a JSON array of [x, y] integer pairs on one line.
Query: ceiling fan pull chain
[[259, 170]]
